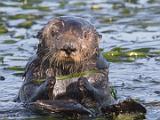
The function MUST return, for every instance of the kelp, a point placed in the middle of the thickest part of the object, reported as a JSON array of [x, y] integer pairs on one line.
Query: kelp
[[125, 55], [132, 1], [24, 16], [20, 37], [117, 5], [26, 24], [1, 59], [3, 29], [96, 7], [38, 81], [75, 75], [70, 76], [63, 3], [113, 92], [6, 54], [155, 52], [79, 4], [9, 42], [108, 20], [40, 8], [20, 74], [30, 1], [15, 68], [126, 11]]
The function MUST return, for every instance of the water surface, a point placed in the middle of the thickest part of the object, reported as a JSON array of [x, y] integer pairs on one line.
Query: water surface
[[131, 24]]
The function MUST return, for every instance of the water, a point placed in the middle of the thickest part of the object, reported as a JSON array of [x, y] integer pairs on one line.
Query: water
[[131, 24]]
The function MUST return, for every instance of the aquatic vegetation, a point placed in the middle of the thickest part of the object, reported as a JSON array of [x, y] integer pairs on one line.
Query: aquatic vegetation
[[6, 54], [157, 59], [79, 4], [125, 55], [1, 59], [151, 1], [15, 68], [33, 4], [3, 29], [117, 6], [107, 20], [19, 74], [156, 52], [126, 11], [41, 8], [77, 75], [25, 16], [111, 18], [113, 92], [20, 37], [131, 1], [63, 3], [29, 1], [26, 24], [96, 7], [9, 42]]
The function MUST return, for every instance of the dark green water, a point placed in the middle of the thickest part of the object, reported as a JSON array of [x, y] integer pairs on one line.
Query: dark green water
[[131, 24]]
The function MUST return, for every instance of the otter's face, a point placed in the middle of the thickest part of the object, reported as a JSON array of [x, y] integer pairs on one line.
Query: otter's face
[[69, 42], [68, 48]]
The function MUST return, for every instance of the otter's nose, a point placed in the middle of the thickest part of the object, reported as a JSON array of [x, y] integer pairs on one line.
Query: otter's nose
[[68, 48]]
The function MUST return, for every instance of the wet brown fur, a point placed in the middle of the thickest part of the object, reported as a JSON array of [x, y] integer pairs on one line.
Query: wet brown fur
[[56, 33], [51, 60]]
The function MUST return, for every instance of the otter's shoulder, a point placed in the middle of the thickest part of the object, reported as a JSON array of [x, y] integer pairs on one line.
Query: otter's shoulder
[[32, 63]]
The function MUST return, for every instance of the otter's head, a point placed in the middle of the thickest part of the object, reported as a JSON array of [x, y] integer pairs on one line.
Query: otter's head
[[68, 41]]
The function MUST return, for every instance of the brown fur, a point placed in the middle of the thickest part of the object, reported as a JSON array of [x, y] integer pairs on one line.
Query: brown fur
[[67, 45]]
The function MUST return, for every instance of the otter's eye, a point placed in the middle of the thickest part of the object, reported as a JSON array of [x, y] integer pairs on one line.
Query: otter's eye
[[54, 33], [99, 35], [85, 35]]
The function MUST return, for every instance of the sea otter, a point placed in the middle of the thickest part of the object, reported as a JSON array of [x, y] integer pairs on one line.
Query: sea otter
[[68, 72]]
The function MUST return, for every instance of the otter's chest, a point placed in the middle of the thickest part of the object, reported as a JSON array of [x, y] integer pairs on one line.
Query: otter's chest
[[62, 87]]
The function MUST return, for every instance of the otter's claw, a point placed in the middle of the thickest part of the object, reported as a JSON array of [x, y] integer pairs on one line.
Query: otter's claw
[[84, 85]]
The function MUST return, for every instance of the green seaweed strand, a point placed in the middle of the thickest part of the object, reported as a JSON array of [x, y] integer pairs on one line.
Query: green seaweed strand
[[75, 75], [70, 76]]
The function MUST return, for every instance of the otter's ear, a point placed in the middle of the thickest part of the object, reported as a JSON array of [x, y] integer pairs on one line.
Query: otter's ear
[[51, 29], [100, 36], [39, 34], [40, 45], [87, 35]]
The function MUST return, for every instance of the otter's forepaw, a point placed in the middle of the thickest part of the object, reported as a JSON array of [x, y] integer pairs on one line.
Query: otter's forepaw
[[84, 85], [49, 83]]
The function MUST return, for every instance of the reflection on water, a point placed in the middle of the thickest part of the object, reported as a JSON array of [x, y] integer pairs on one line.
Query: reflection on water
[[131, 24]]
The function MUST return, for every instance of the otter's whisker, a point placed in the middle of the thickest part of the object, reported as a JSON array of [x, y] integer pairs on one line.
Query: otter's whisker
[[44, 59]]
